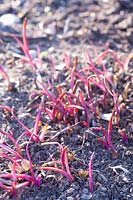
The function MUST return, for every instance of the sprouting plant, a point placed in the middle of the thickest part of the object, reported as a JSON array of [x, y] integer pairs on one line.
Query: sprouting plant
[[24, 45], [90, 173], [16, 175], [106, 140], [32, 134], [64, 166], [123, 135], [89, 91], [27, 131]]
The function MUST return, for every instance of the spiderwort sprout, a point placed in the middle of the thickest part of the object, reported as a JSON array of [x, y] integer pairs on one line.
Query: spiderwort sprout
[[64, 161], [123, 135], [11, 181], [100, 57], [90, 173], [109, 132], [6, 148], [24, 45], [9, 135], [35, 180], [64, 104], [60, 105], [64, 170], [106, 140], [67, 60], [58, 170], [75, 62], [27, 131], [11, 185], [84, 105], [14, 182]]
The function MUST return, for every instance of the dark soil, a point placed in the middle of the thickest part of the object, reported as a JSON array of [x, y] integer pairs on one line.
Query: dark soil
[[59, 26]]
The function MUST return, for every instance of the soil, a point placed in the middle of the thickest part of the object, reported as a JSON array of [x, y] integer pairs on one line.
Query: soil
[[58, 27]]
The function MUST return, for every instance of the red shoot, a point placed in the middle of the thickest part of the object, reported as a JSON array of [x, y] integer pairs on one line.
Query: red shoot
[[90, 173], [123, 135]]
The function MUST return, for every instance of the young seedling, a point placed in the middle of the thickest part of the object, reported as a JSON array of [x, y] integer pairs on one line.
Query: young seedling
[[123, 135], [90, 173], [35, 62], [19, 166], [106, 140], [64, 170], [27, 131], [88, 91]]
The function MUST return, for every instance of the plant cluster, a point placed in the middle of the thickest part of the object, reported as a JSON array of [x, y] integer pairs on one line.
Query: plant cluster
[[89, 90]]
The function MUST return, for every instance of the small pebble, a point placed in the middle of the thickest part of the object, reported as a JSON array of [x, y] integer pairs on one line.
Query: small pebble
[[51, 29], [62, 197], [85, 191], [9, 19], [70, 198], [30, 198], [103, 194], [86, 196], [17, 3], [103, 189]]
